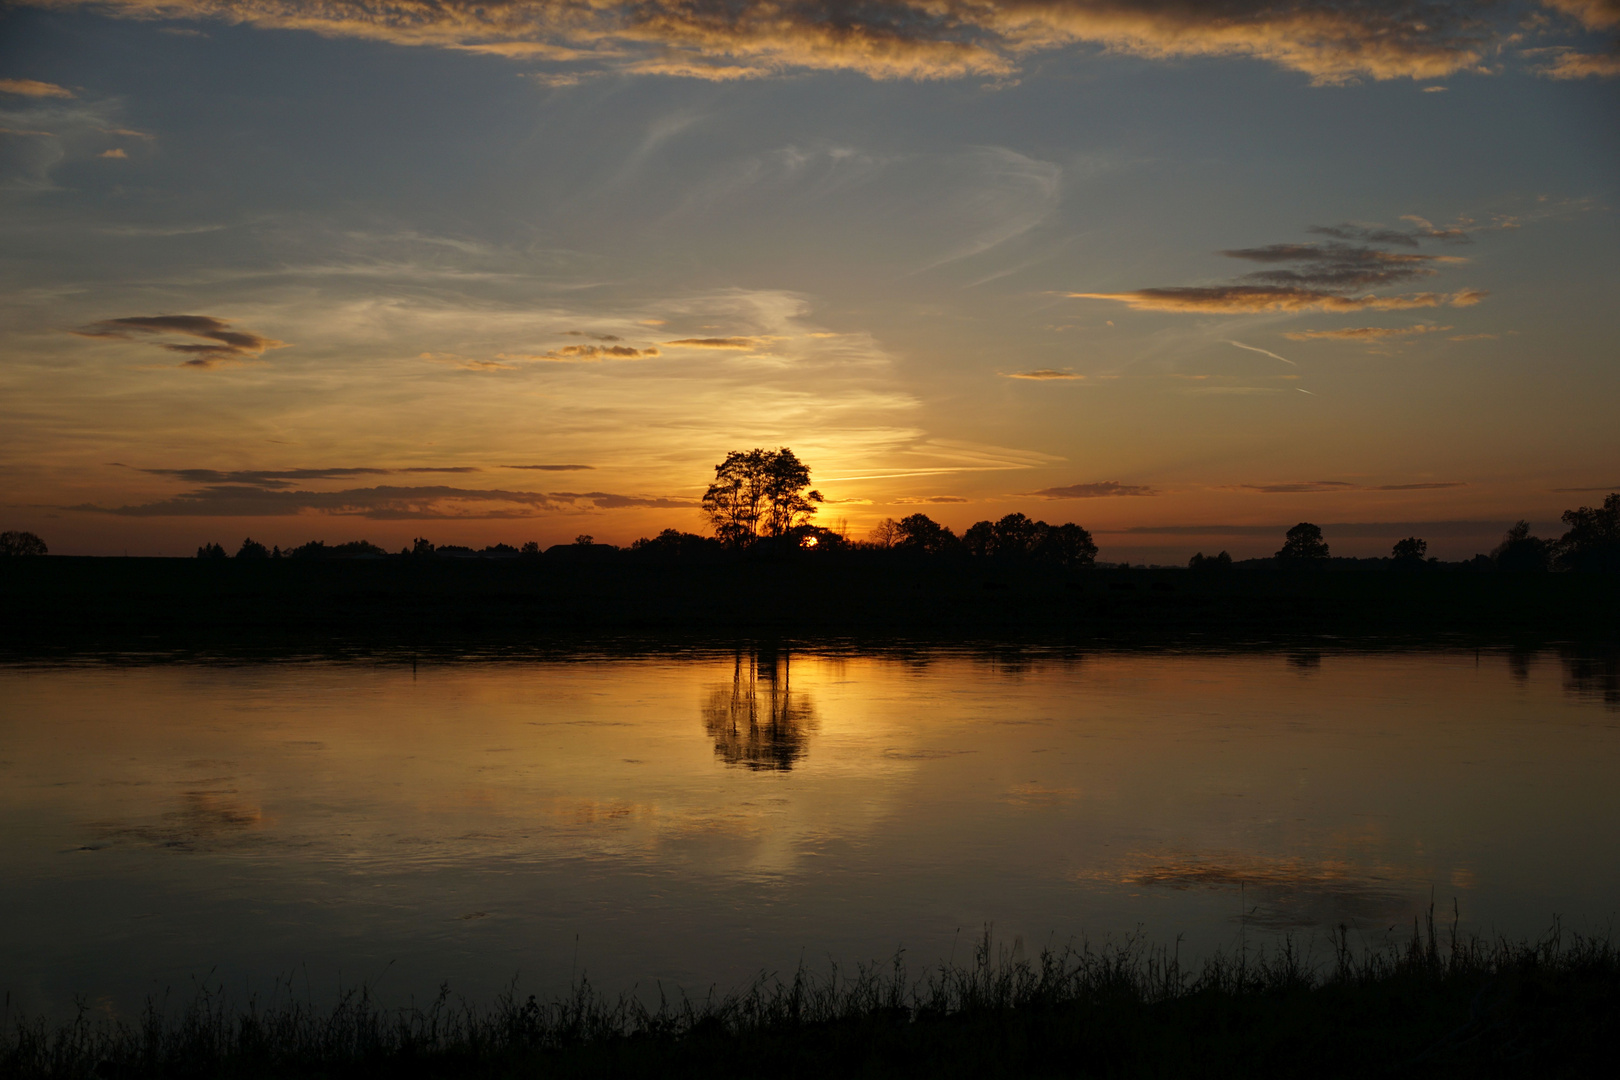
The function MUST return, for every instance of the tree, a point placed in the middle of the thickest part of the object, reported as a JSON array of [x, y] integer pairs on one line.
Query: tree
[[922, 535], [18, 544], [1200, 561], [1519, 551], [530, 550], [1303, 546], [1409, 550], [885, 533], [1593, 539], [252, 549], [1016, 538], [759, 493], [211, 551]]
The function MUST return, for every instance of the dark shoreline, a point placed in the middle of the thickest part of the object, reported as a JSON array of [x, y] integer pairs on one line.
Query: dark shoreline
[[57, 604], [1459, 1007]]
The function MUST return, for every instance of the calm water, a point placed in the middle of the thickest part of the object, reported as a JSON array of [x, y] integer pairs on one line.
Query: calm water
[[696, 820]]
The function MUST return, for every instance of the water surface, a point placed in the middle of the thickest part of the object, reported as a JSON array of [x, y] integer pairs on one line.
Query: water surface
[[695, 820]]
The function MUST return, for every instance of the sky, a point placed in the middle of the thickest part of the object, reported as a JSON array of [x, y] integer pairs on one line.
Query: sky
[[1183, 273]]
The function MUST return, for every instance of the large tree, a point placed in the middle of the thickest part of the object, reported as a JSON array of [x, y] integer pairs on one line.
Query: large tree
[[759, 493], [1303, 546]]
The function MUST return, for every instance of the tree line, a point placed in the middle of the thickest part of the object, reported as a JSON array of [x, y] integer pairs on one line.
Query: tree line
[[761, 503]]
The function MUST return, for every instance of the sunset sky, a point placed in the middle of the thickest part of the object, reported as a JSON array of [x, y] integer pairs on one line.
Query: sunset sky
[[1184, 273]]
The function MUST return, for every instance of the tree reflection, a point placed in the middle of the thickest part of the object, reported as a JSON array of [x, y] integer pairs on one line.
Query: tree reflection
[[1593, 676], [759, 721]]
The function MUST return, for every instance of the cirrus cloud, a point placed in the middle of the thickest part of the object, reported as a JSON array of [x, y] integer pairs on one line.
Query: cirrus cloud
[[221, 343]]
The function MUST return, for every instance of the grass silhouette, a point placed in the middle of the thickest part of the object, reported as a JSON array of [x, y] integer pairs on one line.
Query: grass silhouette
[[1464, 1007]]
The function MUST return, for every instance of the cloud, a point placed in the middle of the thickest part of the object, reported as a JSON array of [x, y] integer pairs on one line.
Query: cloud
[[1592, 14], [586, 354], [1094, 491], [1249, 299], [1473, 337], [113, 153], [225, 345], [34, 88], [1311, 487], [551, 468], [1367, 333], [1338, 265], [1421, 229], [1345, 529], [1579, 65], [1042, 375], [714, 343], [282, 478], [927, 500], [379, 503], [1331, 41]]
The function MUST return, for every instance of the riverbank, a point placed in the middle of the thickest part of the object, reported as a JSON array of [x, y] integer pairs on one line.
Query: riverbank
[[55, 603], [1436, 1007]]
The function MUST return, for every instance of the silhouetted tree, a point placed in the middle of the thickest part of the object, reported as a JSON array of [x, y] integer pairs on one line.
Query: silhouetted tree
[[421, 547], [1016, 538], [1409, 550], [921, 534], [1521, 552], [1593, 540], [530, 550], [211, 551], [252, 549], [15, 543], [759, 493], [1200, 561], [674, 544], [1303, 546], [885, 533]]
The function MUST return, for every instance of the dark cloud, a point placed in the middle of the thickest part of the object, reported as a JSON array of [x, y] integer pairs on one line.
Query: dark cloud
[[1306, 487], [281, 478], [1366, 333], [379, 503], [551, 468], [927, 500], [223, 345], [1346, 529], [594, 337], [1094, 491], [1318, 276], [1338, 266], [581, 354]]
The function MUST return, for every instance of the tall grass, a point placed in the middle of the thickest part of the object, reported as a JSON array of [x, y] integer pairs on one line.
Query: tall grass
[[1465, 1006]]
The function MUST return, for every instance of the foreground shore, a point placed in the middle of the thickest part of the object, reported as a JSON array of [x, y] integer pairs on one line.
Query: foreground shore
[[56, 603], [1549, 1008]]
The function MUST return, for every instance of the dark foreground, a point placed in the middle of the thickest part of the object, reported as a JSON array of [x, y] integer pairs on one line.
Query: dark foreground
[[1545, 1009], [53, 603]]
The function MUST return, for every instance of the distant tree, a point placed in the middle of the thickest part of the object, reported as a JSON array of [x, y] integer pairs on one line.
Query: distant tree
[[315, 549], [252, 549], [1200, 561], [211, 551], [421, 547], [1521, 552], [354, 549], [530, 550], [1593, 540], [584, 539], [885, 533], [672, 543], [1411, 549], [921, 534], [15, 543], [759, 493], [1016, 538], [1303, 546]]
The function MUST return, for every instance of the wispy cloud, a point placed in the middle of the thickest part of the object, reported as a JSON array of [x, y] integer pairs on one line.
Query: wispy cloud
[[1103, 490], [224, 344], [283, 478], [1262, 352], [927, 500], [1256, 299], [380, 503], [34, 88], [1311, 487], [1366, 333], [714, 343], [551, 468], [1042, 375]]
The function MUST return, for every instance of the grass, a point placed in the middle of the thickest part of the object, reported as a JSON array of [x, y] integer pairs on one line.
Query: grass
[[1465, 1007]]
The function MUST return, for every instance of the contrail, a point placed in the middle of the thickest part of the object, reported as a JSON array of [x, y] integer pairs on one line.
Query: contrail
[[1264, 352], [1303, 391]]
